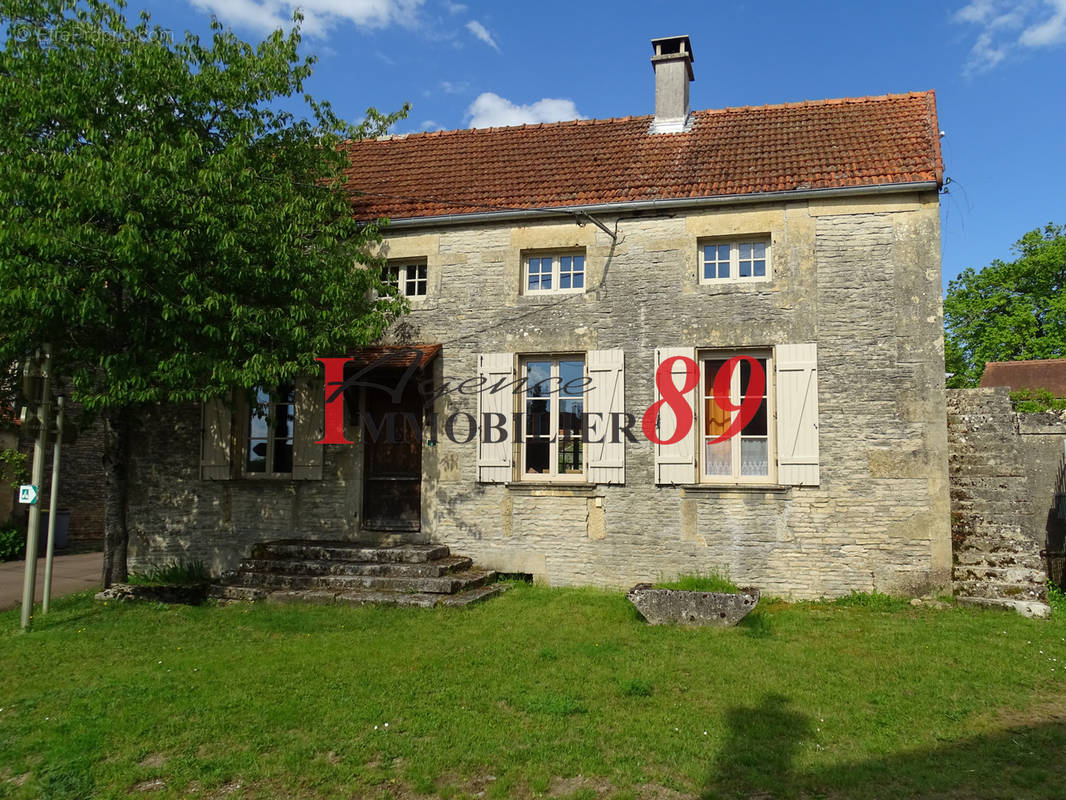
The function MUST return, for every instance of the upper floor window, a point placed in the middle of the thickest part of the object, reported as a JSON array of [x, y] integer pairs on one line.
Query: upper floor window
[[269, 442], [408, 277], [554, 272], [743, 260]]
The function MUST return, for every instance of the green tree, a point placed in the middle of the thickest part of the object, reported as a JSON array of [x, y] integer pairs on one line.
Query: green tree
[[1009, 310], [164, 225]]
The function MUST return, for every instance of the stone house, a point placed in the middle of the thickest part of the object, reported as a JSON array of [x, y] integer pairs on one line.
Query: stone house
[[781, 264]]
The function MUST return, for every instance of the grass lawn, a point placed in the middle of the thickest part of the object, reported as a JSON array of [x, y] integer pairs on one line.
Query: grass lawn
[[540, 693]]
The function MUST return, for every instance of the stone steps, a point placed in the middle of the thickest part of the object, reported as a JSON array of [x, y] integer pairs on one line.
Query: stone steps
[[420, 575], [246, 594], [448, 584], [320, 567], [349, 551]]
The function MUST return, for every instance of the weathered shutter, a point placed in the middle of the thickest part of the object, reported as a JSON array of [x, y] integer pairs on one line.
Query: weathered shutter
[[606, 396], [308, 428], [494, 459], [216, 440], [675, 463], [797, 414]]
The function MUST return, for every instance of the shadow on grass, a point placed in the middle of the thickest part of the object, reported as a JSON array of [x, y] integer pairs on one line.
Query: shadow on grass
[[758, 752], [758, 757]]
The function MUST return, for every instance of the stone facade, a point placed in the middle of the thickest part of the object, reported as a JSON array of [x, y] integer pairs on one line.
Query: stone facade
[[858, 277], [1006, 469]]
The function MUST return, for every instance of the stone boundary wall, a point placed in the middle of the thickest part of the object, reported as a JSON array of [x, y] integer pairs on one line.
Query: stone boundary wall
[[1003, 468]]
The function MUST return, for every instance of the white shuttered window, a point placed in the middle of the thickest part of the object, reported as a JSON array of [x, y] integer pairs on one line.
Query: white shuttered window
[[606, 403], [675, 463], [556, 397], [779, 441], [797, 414], [494, 457]]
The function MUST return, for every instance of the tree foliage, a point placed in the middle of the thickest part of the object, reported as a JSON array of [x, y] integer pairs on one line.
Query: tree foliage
[[163, 223], [1008, 311]]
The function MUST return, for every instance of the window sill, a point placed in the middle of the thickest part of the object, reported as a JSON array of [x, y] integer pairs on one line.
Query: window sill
[[718, 488], [276, 478], [725, 286], [551, 489], [552, 296]]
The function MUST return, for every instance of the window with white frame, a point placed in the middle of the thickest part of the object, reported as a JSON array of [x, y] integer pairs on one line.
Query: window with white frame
[[737, 441], [270, 431], [736, 417], [553, 272], [409, 277], [577, 400], [553, 406], [740, 260]]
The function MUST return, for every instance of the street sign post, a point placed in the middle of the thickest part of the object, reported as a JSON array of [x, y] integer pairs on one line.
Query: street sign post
[[33, 525]]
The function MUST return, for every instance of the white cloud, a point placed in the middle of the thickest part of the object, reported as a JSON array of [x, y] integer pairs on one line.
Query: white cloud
[[1006, 25], [320, 16], [455, 8], [1049, 32], [482, 33], [490, 111], [454, 87], [984, 55], [977, 11]]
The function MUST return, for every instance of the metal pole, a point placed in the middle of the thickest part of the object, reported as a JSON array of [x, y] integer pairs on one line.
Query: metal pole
[[37, 474], [52, 513]]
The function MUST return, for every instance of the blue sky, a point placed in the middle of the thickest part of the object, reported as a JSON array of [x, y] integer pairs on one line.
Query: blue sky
[[998, 66]]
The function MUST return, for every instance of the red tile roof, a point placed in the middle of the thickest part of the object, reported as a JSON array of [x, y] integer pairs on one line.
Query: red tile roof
[[827, 144], [1049, 373]]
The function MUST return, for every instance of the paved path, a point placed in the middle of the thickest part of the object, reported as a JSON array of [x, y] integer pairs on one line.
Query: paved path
[[69, 574]]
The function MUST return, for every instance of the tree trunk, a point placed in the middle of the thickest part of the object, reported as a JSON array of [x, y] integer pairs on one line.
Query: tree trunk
[[116, 460]]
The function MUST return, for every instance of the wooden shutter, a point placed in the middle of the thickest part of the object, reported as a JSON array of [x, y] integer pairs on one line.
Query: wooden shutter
[[308, 428], [606, 396], [675, 463], [494, 460], [797, 414], [216, 440]]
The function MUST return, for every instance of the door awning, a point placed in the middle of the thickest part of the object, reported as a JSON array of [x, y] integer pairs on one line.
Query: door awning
[[398, 356]]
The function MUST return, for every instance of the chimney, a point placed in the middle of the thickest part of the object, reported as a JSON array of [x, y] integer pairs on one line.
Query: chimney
[[672, 63]]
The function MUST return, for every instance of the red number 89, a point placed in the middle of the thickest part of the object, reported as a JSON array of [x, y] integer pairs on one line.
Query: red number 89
[[674, 397]]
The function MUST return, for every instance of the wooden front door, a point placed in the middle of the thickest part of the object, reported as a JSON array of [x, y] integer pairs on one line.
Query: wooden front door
[[392, 442]]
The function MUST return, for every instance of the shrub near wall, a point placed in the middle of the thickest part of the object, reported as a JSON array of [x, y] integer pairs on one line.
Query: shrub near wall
[[12, 544]]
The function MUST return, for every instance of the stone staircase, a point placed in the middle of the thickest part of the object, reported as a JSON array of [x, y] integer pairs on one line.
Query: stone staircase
[[423, 575]]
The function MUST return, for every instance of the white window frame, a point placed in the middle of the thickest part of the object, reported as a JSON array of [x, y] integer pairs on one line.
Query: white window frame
[[555, 385], [404, 274], [734, 245], [703, 356], [555, 256], [271, 440]]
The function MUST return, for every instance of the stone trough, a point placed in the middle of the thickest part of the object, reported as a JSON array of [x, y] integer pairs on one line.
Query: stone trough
[[666, 606]]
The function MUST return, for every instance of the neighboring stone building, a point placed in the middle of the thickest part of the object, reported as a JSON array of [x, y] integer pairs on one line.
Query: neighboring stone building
[[798, 242], [1048, 374]]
